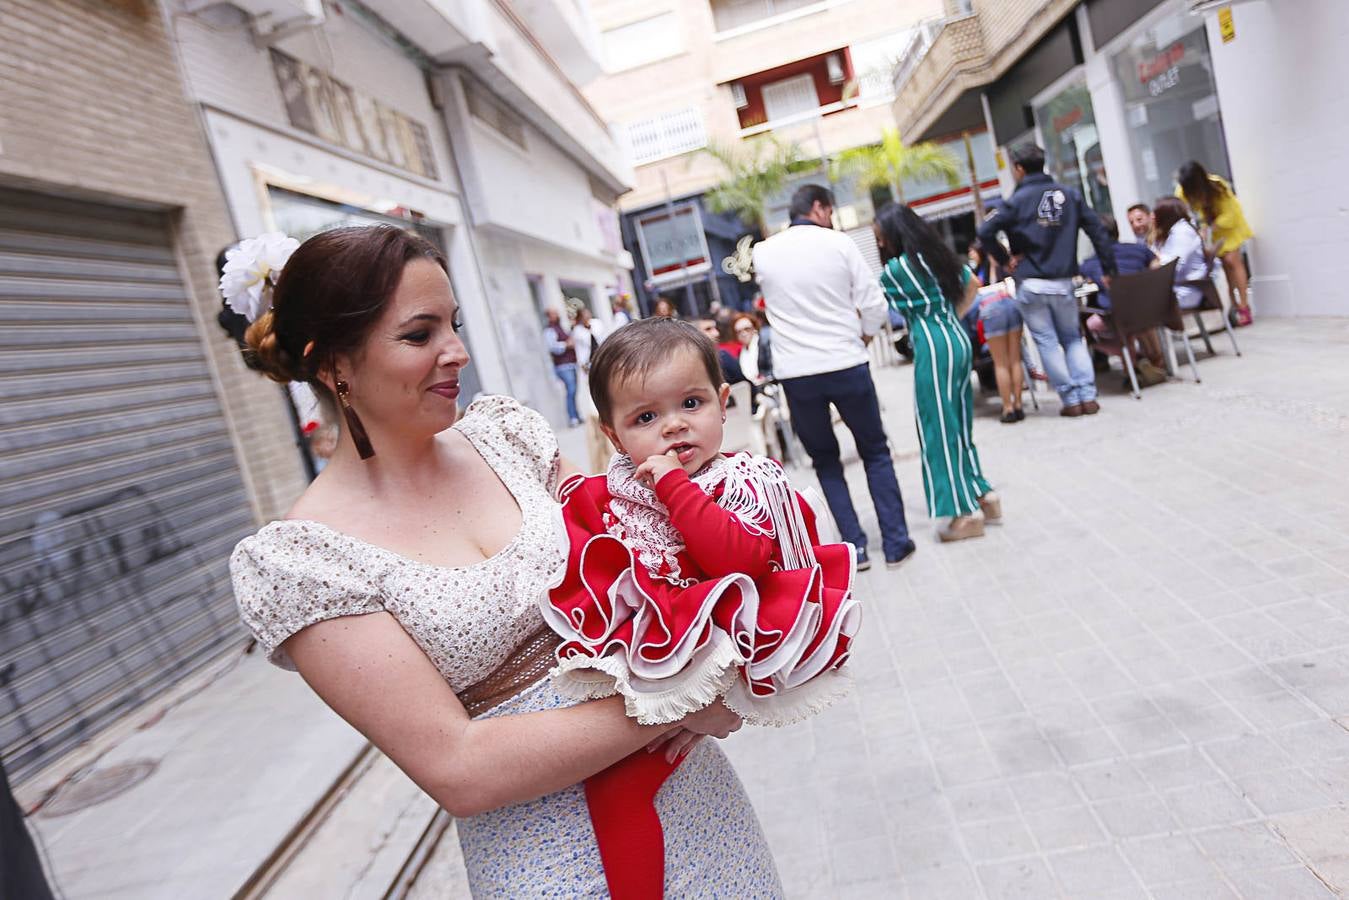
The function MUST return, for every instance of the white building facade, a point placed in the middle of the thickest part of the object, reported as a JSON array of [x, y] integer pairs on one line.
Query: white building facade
[[459, 121]]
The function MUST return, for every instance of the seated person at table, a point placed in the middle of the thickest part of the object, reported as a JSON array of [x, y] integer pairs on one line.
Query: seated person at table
[[1130, 258]]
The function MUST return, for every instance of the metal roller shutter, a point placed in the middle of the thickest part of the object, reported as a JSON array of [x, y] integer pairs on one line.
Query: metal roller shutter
[[120, 498], [865, 239]]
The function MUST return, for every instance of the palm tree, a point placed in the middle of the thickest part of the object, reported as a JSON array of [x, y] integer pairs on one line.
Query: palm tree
[[755, 170], [890, 163]]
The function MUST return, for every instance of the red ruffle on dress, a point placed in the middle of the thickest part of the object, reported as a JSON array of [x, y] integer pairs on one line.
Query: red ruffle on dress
[[711, 586], [700, 590]]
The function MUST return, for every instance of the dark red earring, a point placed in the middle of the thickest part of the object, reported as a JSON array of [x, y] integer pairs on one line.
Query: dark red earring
[[358, 435]]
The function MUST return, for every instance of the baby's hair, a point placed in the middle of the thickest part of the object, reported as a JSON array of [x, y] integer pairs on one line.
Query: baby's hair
[[635, 349]]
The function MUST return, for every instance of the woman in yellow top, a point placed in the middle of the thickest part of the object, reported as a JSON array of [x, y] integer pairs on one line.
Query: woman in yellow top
[[1215, 205]]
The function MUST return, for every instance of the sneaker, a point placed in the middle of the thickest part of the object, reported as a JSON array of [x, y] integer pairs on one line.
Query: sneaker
[[894, 562], [1090, 408], [863, 561]]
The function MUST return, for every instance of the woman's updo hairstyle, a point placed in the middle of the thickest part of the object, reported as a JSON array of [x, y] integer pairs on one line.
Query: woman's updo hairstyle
[[331, 292]]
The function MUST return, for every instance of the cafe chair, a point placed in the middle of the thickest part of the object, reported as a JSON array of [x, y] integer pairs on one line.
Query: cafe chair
[[1143, 302], [1212, 302]]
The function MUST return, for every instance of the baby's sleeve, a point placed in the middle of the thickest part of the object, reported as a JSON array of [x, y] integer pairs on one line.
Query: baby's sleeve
[[286, 580]]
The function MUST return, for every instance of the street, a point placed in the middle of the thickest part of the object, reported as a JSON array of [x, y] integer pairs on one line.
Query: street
[[1136, 687]]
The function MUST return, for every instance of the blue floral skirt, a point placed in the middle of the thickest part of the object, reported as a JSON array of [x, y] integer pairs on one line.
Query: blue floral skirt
[[714, 846]]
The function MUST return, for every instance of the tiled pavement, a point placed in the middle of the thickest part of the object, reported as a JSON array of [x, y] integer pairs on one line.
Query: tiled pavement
[[1130, 689], [1136, 687]]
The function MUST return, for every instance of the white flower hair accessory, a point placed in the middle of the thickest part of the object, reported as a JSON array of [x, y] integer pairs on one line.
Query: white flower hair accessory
[[251, 269]]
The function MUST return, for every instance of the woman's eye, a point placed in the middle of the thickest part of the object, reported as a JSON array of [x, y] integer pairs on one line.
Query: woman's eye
[[457, 323], [692, 403], [416, 337], [645, 418]]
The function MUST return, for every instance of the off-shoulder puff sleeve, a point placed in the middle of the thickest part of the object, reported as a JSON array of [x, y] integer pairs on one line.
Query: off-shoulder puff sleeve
[[525, 433], [293, 574]]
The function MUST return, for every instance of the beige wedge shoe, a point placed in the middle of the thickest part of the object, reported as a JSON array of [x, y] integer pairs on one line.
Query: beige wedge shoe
[[962, 528], [991, 504]]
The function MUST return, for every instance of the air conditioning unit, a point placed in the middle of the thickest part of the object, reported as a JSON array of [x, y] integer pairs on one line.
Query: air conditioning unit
[[833, 63], [271, 19]]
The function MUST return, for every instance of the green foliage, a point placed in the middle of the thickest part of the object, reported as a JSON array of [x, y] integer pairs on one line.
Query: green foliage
[[890, 164], [755, 170]]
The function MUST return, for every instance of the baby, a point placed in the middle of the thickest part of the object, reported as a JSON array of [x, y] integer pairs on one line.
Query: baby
[[693, 575]]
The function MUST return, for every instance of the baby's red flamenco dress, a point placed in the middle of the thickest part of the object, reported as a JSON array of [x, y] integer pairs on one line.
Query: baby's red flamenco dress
[[711, 586]]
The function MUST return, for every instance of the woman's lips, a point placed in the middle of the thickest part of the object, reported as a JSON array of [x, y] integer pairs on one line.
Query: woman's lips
[[447, 389]]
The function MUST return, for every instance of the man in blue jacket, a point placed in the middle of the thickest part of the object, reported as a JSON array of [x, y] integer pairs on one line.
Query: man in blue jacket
[[1042, 219]]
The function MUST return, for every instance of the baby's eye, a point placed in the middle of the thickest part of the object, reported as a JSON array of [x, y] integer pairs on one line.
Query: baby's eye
[[645, 418], [692, 402]]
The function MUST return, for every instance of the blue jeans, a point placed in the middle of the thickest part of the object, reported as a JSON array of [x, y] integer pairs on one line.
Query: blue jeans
[[853, 393], [566, 373], [1053, 323]]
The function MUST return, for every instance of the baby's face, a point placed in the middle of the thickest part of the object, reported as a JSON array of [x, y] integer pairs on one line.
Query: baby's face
[[675, 406]]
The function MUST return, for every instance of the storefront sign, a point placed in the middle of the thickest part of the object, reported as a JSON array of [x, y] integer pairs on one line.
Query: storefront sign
[[325, 107], [1226, 27], [673, 245]]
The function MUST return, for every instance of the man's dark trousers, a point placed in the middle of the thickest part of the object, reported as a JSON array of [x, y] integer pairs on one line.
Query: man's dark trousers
[[853, 393]]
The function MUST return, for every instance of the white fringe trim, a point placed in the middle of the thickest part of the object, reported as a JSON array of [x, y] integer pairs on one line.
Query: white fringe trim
[[789, 707], [708, 675]]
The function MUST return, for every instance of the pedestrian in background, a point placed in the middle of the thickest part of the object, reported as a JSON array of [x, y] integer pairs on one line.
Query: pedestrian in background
[[825, 306], [754, 356], [1181, 241], [563, 350], [925, 280], [621, 306], [1140, 223], [664, 308], [1215, 205], [1042, 218], [1130, 257], [730, 362]]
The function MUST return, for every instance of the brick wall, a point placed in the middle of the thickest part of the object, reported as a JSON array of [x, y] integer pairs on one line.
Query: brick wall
[[92, 103]]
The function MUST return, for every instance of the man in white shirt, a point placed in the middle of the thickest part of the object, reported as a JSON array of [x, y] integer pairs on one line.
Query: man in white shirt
[[825, 305]]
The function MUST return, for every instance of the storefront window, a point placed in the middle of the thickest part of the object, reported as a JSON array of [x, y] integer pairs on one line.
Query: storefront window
[[1171, 103], [1072, 146], [673, 244]]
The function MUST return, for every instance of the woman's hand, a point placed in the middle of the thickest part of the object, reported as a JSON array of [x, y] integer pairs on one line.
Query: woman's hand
[[714, 720]]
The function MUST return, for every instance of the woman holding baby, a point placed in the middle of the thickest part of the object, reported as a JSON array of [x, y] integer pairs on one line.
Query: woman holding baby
[[405, 585]]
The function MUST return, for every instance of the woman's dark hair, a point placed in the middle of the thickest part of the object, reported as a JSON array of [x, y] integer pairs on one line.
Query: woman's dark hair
[[903, 231], [1166, 212], [330, 293], [1200, 192], [638, 347]]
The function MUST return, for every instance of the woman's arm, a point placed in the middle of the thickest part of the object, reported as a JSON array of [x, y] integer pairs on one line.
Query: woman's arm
[[971, 289], [373, 675]]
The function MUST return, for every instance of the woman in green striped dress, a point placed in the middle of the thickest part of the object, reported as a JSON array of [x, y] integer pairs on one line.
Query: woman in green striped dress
[[926, 282]]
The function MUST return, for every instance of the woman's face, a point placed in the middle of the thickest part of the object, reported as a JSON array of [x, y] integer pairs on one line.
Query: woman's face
[[663, 308], [405, 377], [744, 331]]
